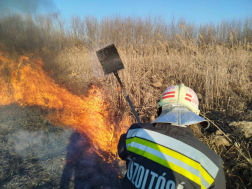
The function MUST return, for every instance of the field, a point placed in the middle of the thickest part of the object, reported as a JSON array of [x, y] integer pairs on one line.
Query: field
[[214, 60]]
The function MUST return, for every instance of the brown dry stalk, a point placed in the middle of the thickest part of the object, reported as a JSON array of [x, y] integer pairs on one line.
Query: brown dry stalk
[[216, 127], [236, 144]]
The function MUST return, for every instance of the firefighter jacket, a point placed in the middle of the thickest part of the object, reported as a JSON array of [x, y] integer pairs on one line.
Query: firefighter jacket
[[168, 157]]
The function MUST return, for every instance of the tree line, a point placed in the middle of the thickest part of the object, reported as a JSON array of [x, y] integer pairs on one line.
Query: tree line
[[52, 31]]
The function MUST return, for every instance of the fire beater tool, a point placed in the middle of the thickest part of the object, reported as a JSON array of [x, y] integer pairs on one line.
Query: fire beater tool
[[111, 62]]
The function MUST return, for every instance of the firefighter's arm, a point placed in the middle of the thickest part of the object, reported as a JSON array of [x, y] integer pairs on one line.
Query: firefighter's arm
[[220, 181], [122, 151]]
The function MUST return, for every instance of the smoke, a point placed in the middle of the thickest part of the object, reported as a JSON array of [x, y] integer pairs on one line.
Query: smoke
[[40, 144], [32, 6], [96, 66], [64, 156]]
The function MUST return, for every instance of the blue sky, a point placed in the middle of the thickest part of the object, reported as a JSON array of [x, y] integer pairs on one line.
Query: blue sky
[[198, 11]]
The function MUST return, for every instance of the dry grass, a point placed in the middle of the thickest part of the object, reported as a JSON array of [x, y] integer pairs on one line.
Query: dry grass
[[220, 74]]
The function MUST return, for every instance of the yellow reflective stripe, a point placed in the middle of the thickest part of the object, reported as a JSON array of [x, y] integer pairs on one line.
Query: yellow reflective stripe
[[167, 164], [128, 141], [176, 155], [172, 143]]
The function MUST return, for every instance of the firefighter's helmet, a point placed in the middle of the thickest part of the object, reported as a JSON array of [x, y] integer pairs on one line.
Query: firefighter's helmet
[[180, 106]]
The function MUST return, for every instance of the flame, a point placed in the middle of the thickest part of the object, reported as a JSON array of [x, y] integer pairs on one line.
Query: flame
[[25, 82]]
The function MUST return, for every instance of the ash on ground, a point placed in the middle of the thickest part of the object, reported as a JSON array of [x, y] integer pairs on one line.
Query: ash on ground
[[34, 153]]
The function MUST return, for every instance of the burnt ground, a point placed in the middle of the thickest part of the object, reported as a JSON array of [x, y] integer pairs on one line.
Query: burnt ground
[[34, 153]]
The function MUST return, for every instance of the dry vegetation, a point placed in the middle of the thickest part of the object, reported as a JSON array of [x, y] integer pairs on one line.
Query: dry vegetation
[[214, 60]]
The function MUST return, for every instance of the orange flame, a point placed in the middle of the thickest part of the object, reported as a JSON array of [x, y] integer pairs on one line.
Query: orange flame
[[26, 83]]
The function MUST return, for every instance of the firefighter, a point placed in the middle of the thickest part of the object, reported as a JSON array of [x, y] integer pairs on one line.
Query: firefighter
[[165, 153]]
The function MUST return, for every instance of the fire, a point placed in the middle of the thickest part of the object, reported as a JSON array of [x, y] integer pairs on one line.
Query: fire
[[25, 82]]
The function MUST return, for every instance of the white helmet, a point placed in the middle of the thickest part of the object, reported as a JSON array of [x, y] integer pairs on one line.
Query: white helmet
[[180, 107]]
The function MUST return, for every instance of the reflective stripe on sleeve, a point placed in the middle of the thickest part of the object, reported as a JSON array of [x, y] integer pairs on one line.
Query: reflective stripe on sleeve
[[185, 166], [175, 149]]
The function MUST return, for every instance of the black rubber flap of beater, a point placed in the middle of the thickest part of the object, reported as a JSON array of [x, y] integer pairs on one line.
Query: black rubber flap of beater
[[110, 59]]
